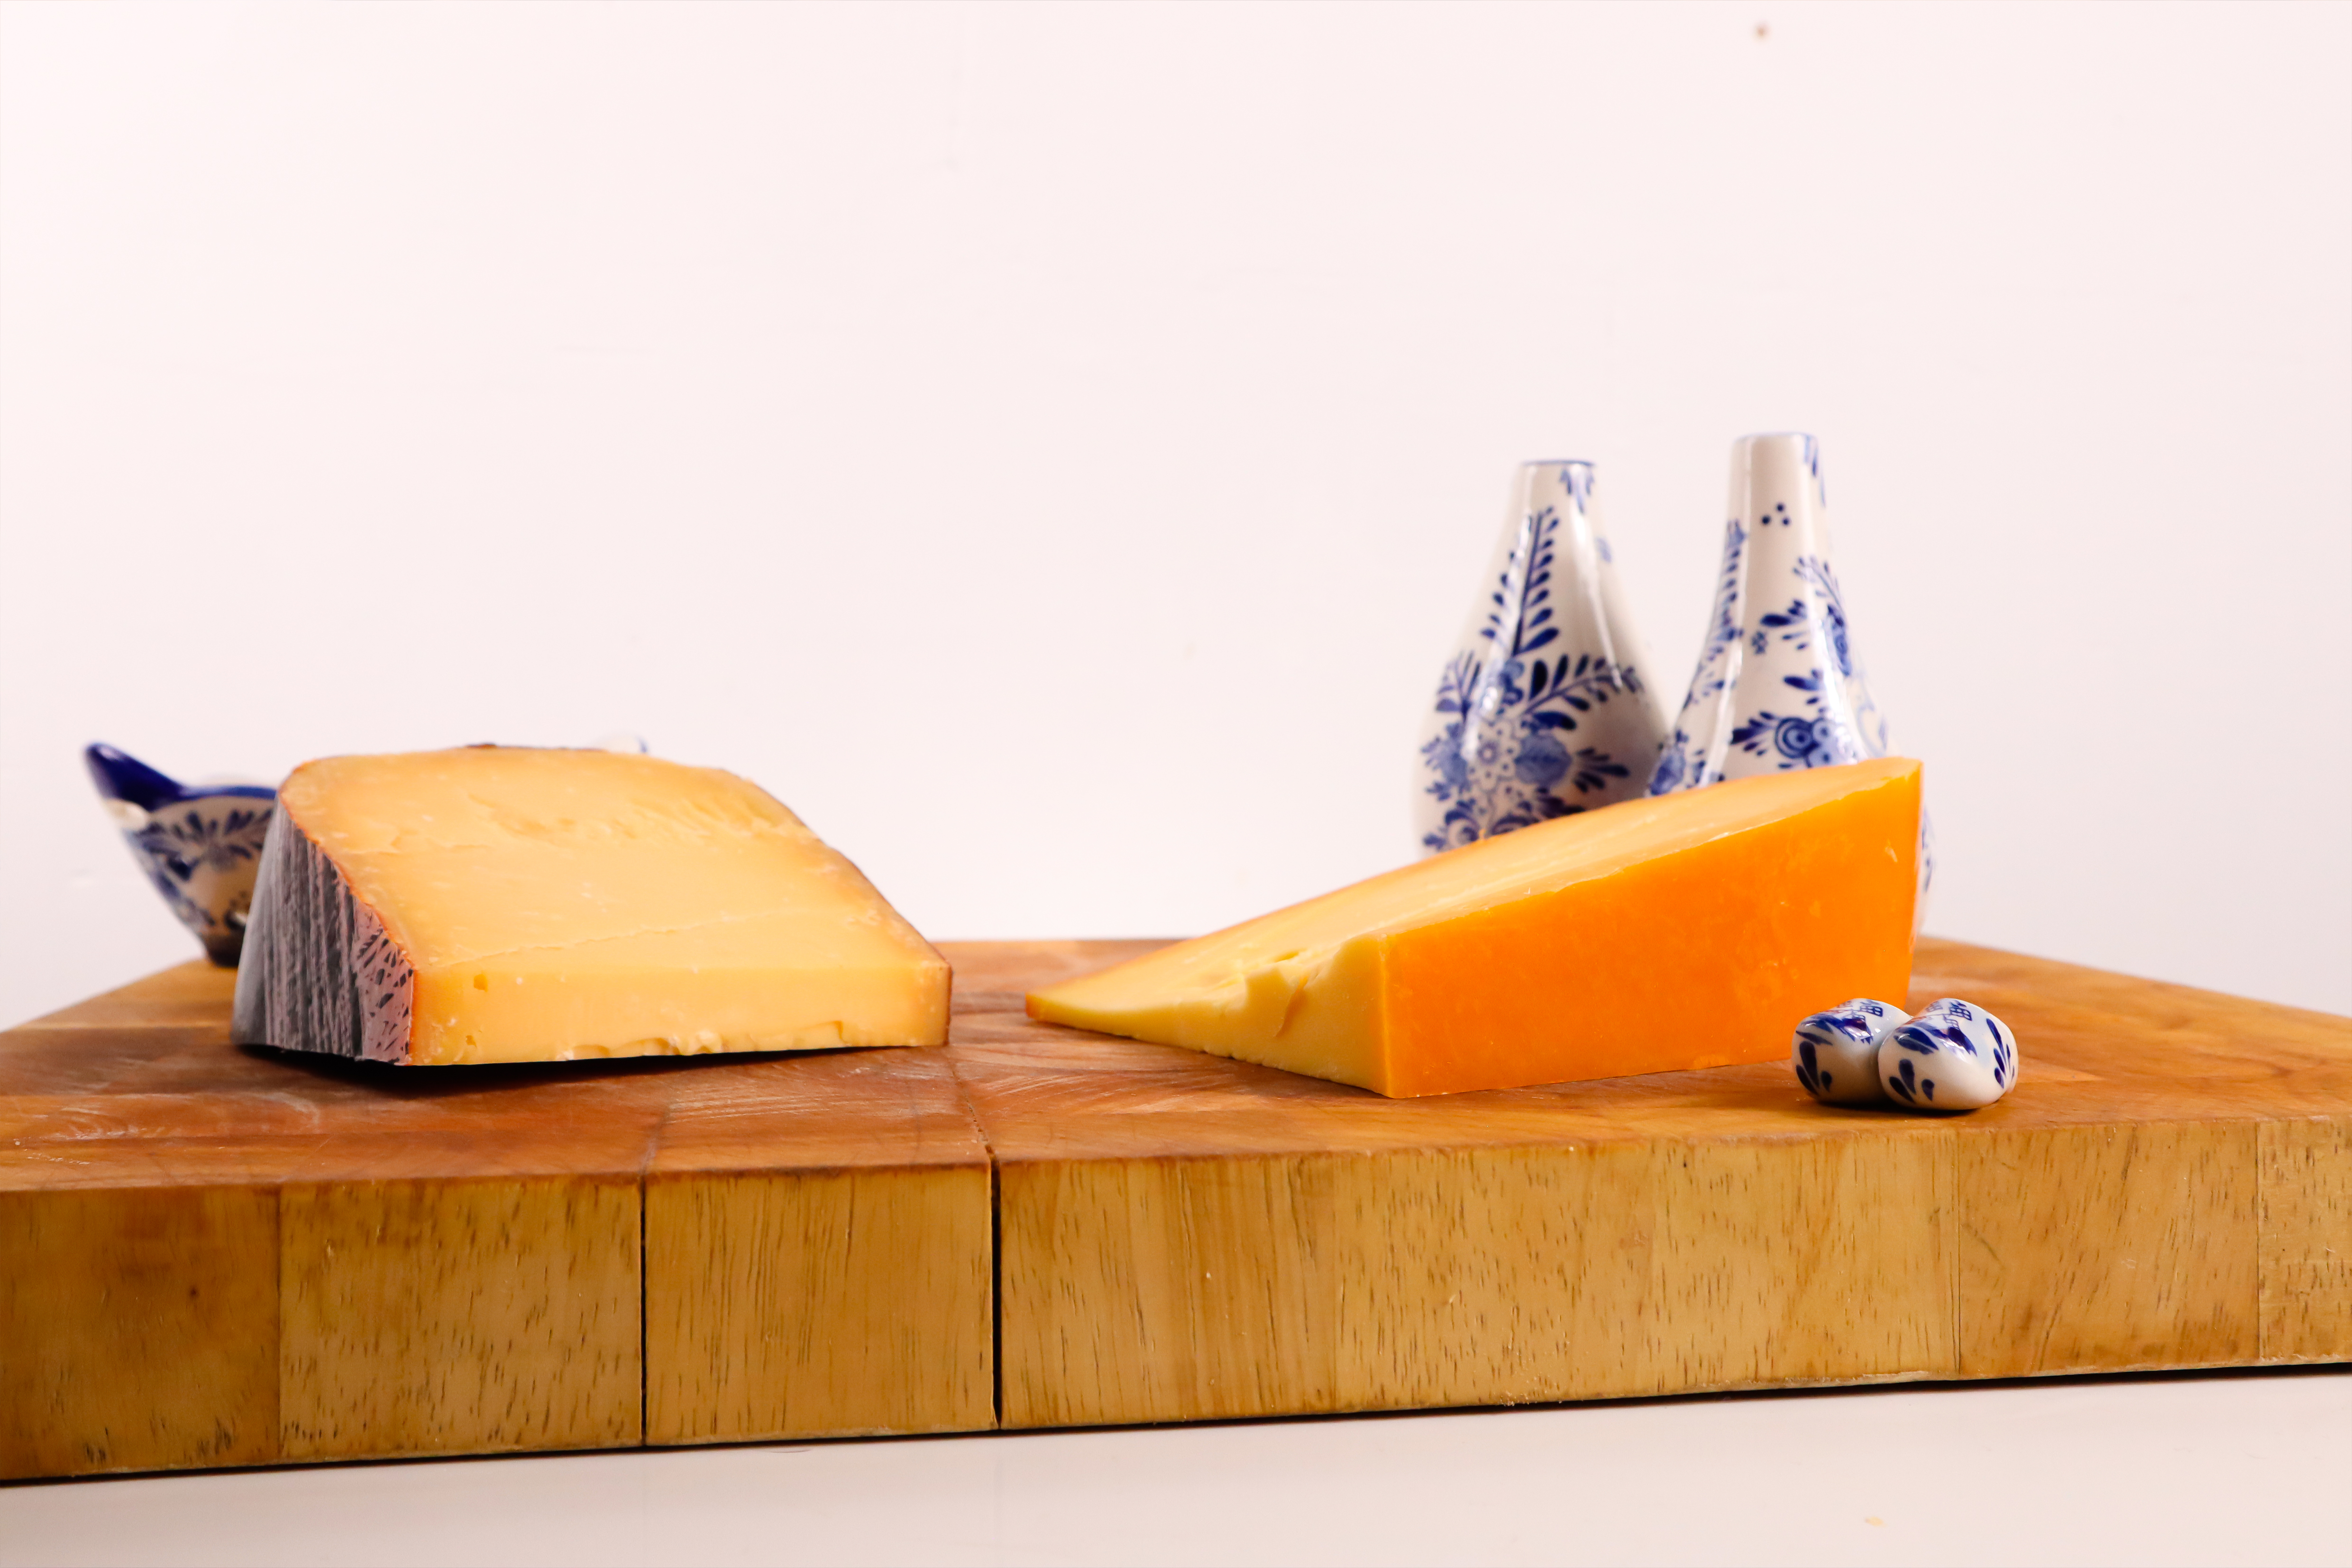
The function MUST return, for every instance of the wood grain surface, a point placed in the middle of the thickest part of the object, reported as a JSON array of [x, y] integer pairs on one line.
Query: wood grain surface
[[217, 1255], [1184, 1236], [819, 1260], [212, 1255]]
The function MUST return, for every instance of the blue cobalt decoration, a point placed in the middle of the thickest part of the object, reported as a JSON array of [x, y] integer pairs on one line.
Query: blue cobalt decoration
[[1835, 1053], [1953, 1056], [200, 845], [1543, 711], [1780, 685]]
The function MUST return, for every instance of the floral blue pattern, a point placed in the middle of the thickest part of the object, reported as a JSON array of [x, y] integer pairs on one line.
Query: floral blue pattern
[[1681, 765], [201, 846], [1524, 729], [1953, 1056], [1835, 1051]]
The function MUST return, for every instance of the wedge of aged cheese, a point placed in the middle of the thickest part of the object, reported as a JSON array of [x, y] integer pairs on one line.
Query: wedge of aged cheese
[[1691, 930], [499, 905]]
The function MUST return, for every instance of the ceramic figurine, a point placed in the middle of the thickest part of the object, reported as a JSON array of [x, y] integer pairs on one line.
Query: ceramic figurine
[[1546, 708], [1779, 684], [1953, 1056], [199, 843], [1835, 1053]]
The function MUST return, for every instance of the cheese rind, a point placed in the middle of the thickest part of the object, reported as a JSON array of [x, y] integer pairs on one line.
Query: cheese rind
[[500, 905], [1682, 931], [318, 967]]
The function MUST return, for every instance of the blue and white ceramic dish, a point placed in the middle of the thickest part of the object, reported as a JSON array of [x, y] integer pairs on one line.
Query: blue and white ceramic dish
[[1544, 709], [1780, 685], [200, 845], [1835, 1051], [1953, 1056]]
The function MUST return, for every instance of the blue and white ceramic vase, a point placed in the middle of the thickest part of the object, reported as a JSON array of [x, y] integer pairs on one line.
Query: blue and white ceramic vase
[[1779, 684], [200, 845], [1545, 708]]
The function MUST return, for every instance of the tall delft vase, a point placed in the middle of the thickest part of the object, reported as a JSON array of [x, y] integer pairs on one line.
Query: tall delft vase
[[1778, 684], [1543, 711]]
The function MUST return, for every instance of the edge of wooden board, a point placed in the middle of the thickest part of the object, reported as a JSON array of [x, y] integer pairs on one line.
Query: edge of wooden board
[[1075, 1268]]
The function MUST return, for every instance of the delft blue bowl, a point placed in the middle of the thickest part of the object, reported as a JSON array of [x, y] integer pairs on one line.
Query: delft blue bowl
[[200, 845]]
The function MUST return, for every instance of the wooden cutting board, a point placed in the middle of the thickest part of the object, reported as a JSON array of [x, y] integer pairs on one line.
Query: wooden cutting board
[[217, 1256]]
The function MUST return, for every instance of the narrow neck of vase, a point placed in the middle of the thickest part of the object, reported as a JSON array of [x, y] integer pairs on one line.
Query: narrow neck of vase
[[1563, 485], [1555, 592], [1778, 497]]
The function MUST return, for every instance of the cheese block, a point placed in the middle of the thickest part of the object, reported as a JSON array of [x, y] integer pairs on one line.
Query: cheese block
[[495, 904], [1688, 930]]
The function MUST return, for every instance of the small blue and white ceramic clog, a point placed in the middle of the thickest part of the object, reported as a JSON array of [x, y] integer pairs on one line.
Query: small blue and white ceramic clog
[[200, 845], [1835, 1051], [1953, 1056]]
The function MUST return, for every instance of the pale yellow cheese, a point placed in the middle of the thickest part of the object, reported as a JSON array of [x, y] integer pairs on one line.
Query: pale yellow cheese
[[551, 905]]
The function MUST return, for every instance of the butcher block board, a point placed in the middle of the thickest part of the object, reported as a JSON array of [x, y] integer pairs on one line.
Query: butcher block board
[[215, 1256]]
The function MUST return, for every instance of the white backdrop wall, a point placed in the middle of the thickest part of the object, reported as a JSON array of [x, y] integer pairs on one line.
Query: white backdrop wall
[[1054, 447]]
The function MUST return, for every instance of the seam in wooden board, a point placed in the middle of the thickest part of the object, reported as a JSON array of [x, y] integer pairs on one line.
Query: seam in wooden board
[[2264, 1188], [995, 1245], [645, 1273], [278, 1206], [644, 1332], [1949, 1165], [995, 1297], [2263, 1192], [277, 1202], [2262, 1240]]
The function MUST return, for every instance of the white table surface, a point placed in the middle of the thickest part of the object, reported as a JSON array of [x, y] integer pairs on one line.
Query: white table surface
[[2205, 1469]]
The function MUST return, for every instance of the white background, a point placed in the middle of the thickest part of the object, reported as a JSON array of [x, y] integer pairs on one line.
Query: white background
[[2195, 1470], [1055, 448]]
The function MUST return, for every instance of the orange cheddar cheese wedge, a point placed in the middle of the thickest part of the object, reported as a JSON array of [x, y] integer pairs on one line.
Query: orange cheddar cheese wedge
[[1691, 930]]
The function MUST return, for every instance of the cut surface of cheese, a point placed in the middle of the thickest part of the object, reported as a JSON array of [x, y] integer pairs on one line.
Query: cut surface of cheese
[[1690, 930], [495, 904]]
